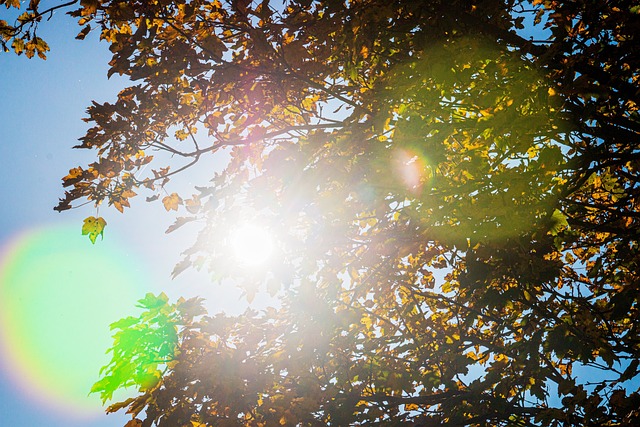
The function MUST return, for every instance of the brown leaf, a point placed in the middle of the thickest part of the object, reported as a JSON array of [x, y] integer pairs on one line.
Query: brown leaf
[[83, 33]]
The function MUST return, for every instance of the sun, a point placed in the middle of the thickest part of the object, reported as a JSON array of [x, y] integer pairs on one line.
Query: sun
[[252, 245]]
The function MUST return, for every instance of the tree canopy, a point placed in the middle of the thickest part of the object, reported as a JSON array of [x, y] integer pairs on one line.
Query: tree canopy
[[452, 190]]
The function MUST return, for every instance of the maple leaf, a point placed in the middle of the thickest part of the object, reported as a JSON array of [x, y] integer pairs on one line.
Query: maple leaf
[[171, 202], [94, 227]]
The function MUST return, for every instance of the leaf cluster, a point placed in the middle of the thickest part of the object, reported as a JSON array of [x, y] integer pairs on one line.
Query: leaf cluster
[[142, 346], [455, 208]]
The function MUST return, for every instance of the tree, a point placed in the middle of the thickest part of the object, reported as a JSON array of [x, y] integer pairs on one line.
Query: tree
[[455, 207]]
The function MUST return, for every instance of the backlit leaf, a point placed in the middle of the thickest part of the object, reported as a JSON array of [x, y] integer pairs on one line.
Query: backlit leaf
[[94, 227], [171, 202]]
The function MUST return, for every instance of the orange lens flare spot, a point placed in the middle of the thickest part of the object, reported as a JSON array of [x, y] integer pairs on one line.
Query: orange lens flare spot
[[409, 168]]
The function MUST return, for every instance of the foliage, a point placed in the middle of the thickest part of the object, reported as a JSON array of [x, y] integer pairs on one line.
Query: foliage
[[140, 346], [455, 206]]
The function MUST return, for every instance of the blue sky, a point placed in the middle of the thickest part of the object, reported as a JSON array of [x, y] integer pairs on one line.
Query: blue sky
[[42, 104]]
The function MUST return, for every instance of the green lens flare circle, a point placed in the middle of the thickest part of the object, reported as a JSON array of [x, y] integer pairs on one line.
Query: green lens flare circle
[[58, 295]]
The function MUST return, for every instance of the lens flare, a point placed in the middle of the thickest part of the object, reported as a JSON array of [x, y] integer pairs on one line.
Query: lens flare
[[58, 295], [252, 245], [410, 169]]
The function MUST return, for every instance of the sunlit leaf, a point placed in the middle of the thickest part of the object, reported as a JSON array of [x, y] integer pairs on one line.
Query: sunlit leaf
[[172, 201], [558, 222], [94, 227]]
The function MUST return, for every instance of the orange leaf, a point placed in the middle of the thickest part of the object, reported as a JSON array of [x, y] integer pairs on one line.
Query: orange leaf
[[172, 201]]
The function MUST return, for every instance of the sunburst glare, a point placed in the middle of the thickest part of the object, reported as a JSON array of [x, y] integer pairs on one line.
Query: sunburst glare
[[252, 245]]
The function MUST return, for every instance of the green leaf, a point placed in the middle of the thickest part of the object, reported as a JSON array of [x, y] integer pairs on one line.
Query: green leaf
[[140, 345], [558, 222], [151, 301], [124, 323], [94, 227]]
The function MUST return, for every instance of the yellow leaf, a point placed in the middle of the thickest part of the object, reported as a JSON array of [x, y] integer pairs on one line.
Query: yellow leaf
[[89, 7], [411, 407], [18, 46], [127, 194], [172, 201], [74, 176], [93, 227]]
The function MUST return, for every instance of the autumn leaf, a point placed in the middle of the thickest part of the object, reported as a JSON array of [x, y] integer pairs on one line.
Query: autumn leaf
[[83, 33], [171, 202], [94, 227], [193, 205], [89, 6], [18, 46]]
